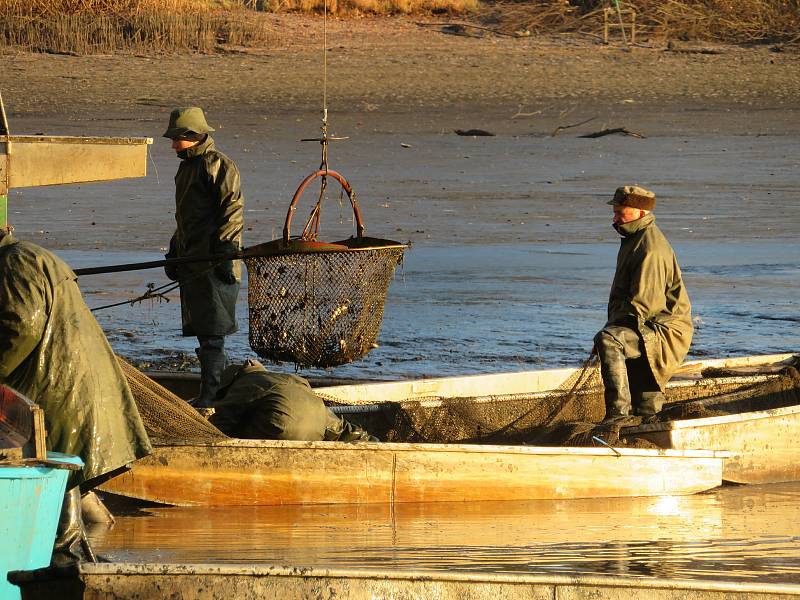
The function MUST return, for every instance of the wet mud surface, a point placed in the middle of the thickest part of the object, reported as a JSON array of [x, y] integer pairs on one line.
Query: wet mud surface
[[512, 251]]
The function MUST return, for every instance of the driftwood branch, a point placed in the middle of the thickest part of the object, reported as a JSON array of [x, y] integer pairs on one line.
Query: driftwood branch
[[563, 127], [525, 114], [605, 132], [460, 29]]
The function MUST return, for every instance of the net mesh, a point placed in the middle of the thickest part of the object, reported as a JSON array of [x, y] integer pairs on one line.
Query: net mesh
[[167, 417], [568, 415], [318, 309]]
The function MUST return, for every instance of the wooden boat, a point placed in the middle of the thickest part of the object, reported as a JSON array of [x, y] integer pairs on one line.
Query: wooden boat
[[252, 472], [761, 431], [264, 472], [762, 434]]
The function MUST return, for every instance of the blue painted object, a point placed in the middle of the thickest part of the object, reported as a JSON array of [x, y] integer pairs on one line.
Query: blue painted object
[[30, 504]]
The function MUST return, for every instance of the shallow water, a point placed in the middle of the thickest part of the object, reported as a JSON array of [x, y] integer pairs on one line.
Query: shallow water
[[732, 533], [470, 309]]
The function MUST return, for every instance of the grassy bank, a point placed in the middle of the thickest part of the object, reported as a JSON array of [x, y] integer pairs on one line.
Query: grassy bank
[[729, 21], [107, 26]]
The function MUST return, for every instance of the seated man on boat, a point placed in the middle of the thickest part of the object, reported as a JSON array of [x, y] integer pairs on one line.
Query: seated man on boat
[[649, 325], [254, 403], [53, 351]]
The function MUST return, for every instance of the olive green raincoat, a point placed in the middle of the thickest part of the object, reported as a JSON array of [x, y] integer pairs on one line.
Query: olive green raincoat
[[648, 295], [209, 214], [258, 404], [53, 351]]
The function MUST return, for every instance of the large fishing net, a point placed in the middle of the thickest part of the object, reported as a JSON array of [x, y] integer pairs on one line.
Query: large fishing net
[[315, 303], [319, 308], [567, 415], [167, 417]]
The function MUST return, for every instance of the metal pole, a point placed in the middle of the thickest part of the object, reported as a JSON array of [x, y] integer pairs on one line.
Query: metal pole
[[157, 263]]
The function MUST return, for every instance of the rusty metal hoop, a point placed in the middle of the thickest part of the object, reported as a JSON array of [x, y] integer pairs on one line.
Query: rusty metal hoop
[[302, 188]]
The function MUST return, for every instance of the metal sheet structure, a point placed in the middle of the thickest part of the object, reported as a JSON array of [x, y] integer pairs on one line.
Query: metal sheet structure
[[53, 160], [195, 582]]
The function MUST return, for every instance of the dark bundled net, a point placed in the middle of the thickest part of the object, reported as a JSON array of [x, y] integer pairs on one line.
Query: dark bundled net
[[318, 309], [495, 419], [568, 415], [167, 417]]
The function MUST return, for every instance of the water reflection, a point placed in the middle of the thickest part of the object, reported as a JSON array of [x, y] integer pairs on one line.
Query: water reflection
[[741, 533]]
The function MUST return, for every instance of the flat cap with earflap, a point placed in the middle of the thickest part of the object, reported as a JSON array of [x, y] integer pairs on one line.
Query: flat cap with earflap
[[635, 197]]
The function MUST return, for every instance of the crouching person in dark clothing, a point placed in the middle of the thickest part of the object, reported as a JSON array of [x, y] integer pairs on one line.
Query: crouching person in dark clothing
[[53, 351], [254, 403]]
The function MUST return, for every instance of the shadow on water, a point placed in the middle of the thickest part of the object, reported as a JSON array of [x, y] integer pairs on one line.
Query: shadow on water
[[735, 533]]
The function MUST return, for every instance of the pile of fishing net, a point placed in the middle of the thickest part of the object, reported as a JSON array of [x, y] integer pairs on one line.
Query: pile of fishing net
[[569, 415], [165, 416]]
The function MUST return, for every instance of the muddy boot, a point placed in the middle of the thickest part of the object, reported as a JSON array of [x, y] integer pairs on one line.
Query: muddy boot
[[617, 392], [93, 511], [71, 545], [615, 345], [211, 354], [649, 406]]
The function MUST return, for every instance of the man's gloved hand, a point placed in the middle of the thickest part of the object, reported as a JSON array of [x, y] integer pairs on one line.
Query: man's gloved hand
[[224, 272], [171, 271]]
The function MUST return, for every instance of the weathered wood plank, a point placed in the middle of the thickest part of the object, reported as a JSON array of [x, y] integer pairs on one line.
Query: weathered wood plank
[[763, 444], [244, 472]]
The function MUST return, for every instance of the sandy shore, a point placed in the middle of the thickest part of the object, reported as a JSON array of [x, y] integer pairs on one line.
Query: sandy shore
[[397, 66]]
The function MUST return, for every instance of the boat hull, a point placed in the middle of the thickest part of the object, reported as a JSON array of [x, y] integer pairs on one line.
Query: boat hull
[[259, 472], [763, 444]]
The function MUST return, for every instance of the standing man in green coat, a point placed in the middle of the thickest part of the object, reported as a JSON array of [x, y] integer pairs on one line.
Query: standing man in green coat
[[53, 351], [209, 211], [649, 326]]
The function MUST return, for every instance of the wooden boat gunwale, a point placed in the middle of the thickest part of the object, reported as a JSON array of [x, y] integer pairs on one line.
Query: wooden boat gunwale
[[519, 382], [459, 448], [711, 421]]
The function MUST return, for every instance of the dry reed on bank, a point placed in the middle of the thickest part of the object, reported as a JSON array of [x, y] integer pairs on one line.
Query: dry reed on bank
[[732, 21], [107, 26], [145, 32]]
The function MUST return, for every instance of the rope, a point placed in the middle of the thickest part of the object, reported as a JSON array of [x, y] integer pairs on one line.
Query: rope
[[152, 292], [325, 82]]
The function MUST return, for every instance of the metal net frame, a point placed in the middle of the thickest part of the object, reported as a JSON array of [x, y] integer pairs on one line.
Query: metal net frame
[[319, 304]]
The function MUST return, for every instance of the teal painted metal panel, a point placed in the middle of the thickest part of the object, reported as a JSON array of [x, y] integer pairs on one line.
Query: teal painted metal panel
[[30, 503]]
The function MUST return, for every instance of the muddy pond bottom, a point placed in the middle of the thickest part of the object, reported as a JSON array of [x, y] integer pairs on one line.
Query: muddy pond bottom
[[736, 533]]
